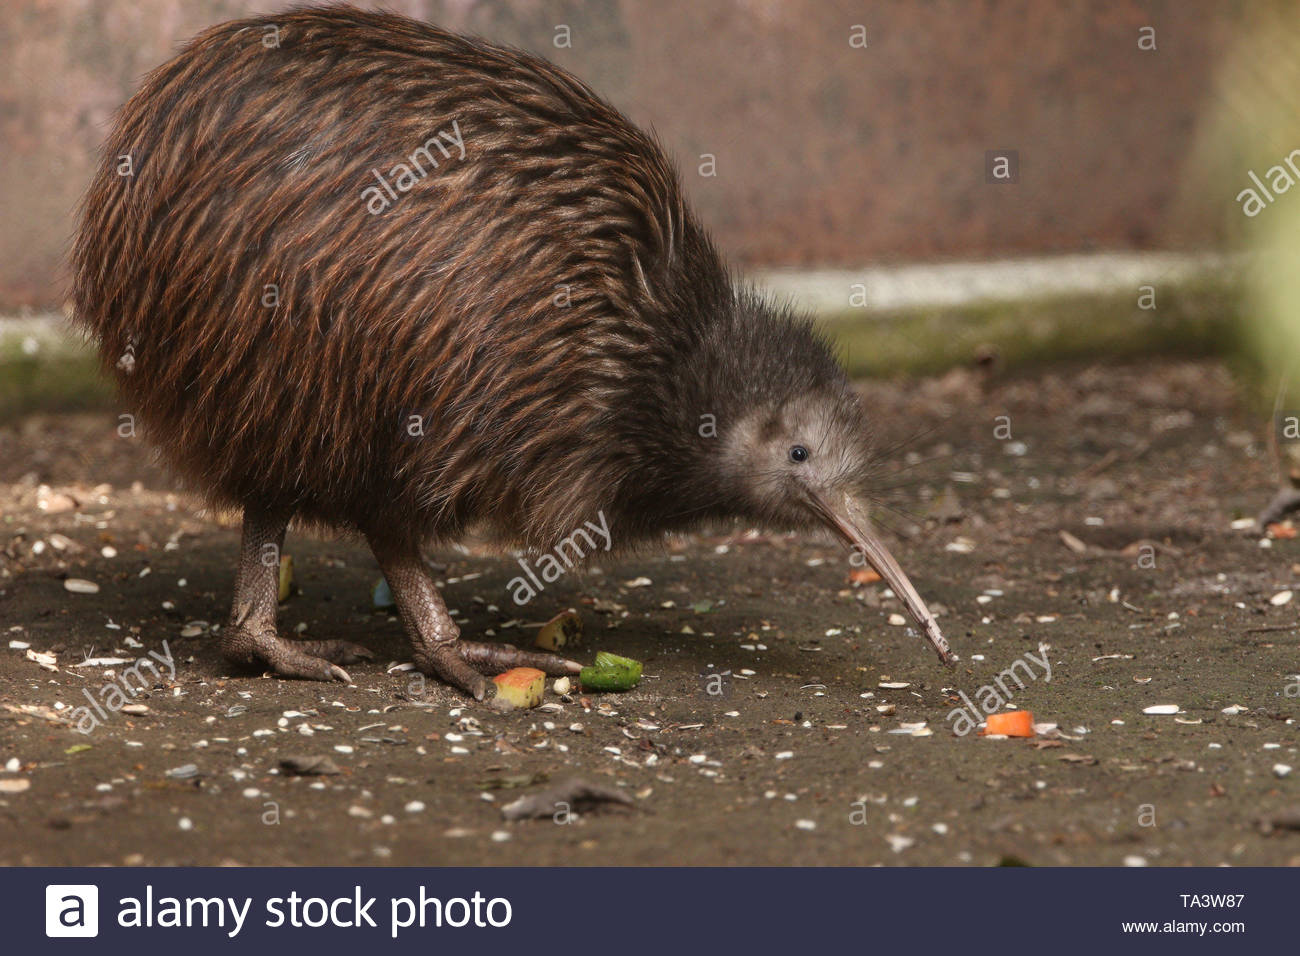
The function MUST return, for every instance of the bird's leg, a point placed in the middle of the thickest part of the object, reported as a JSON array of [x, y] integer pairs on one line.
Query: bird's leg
[[250, 636], [435, 638]]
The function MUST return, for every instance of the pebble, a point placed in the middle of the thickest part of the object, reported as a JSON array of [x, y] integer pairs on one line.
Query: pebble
[[805, 825], [1135, 861], [897, 620], [1281, 770], [415, 806], [1233, 710], [80, 586], [500, 836], [185, 823], [1280, 598], [898, 843], [13, 765]]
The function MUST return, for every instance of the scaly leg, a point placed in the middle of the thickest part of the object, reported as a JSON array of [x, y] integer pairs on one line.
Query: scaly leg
[[435, 638], [250, 636]]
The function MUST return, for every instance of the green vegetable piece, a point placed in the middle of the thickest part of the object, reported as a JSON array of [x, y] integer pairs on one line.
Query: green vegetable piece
[[611, 673]]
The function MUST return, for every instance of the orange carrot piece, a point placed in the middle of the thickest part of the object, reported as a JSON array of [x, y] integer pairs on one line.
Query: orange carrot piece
[[1012, 723]]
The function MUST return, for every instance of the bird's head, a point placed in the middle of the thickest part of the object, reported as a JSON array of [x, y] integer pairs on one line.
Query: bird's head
[[791, 448], [808, 461]]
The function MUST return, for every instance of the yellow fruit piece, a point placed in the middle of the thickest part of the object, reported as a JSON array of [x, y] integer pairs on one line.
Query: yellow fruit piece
[[521, 686], [563, 630], [286, 576]]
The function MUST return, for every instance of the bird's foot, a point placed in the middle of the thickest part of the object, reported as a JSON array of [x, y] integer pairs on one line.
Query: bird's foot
[[308, 660], [459, 663]]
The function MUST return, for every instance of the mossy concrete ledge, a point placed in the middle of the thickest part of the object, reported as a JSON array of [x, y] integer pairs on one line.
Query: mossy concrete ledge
[[918, 319], [887, 320]]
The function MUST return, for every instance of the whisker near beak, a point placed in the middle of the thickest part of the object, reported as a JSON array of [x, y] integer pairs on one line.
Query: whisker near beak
[[849, 520]]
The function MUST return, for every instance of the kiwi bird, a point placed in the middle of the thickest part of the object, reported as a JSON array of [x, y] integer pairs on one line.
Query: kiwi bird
[[355, 271]]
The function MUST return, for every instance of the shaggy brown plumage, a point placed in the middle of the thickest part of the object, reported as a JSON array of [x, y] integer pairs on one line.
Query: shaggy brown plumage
[[354, 269]]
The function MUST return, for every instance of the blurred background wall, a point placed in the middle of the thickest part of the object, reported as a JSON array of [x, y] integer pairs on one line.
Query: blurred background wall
[[842, 133]]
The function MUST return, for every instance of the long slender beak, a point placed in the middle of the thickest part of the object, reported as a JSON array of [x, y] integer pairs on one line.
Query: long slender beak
[[849, 520]]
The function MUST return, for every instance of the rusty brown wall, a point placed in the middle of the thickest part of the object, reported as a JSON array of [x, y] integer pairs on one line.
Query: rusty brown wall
[[825, 154]]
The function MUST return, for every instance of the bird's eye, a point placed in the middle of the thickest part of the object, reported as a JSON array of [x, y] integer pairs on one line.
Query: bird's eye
[[798, 454]]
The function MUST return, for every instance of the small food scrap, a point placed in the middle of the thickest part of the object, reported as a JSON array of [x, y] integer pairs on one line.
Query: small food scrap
[[521, 686], [863, 576], [611, 672], [1013, 723], [1282, 531], [309, 766], [381, 596], [563, 630], [1072, 542], [286, 577], [569, 795]]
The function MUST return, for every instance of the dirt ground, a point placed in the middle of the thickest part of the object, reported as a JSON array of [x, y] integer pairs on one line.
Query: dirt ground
[[804, 758]]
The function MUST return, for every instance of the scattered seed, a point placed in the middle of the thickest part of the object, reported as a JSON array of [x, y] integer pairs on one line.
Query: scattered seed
[[80, 586], [1162, 709]]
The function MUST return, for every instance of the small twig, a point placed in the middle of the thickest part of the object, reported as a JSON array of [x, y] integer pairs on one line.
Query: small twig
[[1274, 455]]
